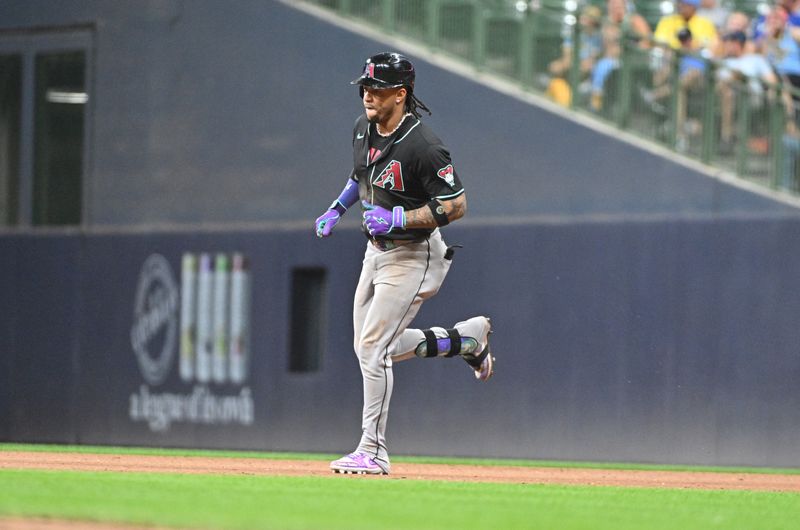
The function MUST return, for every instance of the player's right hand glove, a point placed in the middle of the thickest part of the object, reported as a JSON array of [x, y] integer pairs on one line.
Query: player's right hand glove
[[326, 222]]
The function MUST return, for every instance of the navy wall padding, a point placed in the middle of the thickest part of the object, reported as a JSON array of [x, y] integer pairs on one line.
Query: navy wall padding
[[671, 341]]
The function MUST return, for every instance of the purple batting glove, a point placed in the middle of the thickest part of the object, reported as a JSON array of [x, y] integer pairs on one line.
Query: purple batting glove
[[380, 221], [326, 222], [346, 199]]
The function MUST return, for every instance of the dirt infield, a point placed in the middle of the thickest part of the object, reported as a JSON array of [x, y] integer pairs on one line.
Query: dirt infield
[[39, 523], [508, 474]]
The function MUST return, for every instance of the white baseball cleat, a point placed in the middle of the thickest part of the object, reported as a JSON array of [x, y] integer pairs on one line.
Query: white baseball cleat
[[487, 368], [357, 464], [479, 329]]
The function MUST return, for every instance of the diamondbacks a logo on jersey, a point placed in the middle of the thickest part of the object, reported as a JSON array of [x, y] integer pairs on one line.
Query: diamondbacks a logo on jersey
[[391, 178], [446, 173]]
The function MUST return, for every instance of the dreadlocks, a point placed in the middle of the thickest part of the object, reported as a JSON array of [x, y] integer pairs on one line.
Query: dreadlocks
[[413, 105]]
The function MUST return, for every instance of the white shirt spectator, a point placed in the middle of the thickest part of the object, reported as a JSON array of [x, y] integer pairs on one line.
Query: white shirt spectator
[[754, 67]]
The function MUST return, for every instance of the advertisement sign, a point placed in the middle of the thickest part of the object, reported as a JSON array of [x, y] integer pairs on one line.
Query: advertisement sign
[[198, 325]]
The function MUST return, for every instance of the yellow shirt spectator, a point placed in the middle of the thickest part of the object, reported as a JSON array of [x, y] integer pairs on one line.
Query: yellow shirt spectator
[[704, 34]]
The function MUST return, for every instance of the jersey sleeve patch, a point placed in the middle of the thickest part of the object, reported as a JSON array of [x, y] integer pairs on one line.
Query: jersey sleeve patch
[[446, 174]]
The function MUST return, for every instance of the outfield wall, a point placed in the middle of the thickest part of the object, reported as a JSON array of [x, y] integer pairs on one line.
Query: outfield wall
[[652, 318], [662, 341]]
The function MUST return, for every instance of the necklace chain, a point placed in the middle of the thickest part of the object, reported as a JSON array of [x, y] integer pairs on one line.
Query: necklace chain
[[386, 135]]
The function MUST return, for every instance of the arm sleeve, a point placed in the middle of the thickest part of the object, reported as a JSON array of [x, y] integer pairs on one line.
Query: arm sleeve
[[347, 198]]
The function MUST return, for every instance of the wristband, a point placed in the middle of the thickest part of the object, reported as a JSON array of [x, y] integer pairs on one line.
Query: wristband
[[398, 218]]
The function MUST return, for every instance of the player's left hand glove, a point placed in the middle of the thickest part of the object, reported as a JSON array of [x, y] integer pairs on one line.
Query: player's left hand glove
[[380, 221], [326, 222]]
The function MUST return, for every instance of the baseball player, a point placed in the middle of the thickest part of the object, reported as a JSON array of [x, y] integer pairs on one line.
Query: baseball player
[[407, 188]]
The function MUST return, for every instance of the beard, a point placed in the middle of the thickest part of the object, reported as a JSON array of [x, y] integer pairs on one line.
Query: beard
[[375, 115]]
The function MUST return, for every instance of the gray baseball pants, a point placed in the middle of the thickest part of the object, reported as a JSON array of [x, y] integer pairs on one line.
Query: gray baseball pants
[[391, 289]]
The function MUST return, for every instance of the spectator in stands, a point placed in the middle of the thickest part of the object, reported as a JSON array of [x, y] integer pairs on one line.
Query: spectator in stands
[[779, 41], [715, 12], [747, 66], [740, 69], [621, 21], [694, 36], [704, 34], [690, 69], [591, 46], [736, 21], [789, 10], [691, 76], [782, 49]]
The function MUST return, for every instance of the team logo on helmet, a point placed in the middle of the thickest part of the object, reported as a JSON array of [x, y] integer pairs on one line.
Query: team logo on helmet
[[370, 70], [391, 178], [446, 173]]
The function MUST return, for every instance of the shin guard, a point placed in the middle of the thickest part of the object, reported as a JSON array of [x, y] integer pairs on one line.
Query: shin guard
[[445, 346]]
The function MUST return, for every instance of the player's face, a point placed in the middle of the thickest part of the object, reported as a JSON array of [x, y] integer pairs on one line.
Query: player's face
[[380, 104]]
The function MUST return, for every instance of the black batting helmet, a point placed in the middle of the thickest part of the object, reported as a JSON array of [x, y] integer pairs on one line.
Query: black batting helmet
[[390, 70], [387, 70]]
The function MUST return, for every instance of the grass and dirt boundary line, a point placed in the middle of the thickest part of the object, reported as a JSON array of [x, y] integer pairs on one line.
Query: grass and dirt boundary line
[[244, 489]]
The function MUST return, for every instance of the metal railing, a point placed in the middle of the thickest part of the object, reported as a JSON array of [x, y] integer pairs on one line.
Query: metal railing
[[723, 123]]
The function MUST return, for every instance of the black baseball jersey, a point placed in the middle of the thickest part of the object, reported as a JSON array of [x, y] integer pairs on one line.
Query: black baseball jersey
[[409, 168]]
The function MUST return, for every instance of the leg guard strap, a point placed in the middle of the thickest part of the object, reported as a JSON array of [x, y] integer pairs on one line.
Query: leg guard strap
[[455, 342], [431, 345]]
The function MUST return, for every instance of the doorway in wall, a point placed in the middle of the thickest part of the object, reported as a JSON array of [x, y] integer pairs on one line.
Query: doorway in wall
[[45, 104]]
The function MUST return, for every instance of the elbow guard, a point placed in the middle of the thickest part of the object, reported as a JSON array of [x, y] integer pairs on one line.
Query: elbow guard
[[439, 215]]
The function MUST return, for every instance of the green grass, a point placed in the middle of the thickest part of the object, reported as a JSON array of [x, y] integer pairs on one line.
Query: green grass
[[398, 459], [336, 502], [214, 501]]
